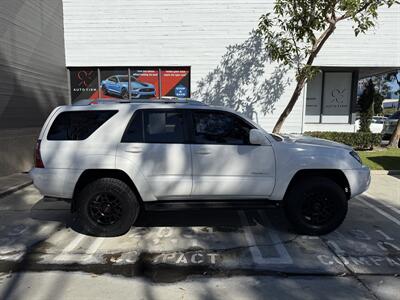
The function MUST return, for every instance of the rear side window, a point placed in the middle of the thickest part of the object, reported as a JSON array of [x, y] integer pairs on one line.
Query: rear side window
[[77, 125], [134, 131], [156, 126]]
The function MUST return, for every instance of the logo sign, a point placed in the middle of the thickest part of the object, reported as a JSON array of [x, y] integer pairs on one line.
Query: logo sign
[[181, 91]]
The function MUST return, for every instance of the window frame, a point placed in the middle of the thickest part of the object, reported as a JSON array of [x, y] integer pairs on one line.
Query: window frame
[[186, 129], [193, 127]]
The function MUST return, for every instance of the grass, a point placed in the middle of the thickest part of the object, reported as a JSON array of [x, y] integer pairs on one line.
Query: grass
[[381, 159]]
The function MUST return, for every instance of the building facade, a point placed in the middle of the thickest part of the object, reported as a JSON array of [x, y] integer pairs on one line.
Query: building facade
[[208, 50], [59, 51]]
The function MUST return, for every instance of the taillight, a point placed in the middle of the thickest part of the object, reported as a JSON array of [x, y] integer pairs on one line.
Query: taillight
[[38, 157]]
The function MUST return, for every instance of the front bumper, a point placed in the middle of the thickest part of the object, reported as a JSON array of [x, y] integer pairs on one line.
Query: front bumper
[[359, 180], [139, 94]]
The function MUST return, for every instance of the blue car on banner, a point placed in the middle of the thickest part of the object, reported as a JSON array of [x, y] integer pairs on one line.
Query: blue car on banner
[[117, 85]]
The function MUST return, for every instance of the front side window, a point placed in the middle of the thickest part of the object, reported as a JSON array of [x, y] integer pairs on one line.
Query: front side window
[[77, 125], [211, 127]]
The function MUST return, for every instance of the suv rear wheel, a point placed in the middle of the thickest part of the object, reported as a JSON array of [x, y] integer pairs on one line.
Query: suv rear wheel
[[106, 207], [315, 206]]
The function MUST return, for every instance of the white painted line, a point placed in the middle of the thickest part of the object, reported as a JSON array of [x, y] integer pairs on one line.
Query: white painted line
[[74, 243], [392, 208], [395, 209], [255, 251], [380, 211], [71, 246], [95, 245], [283, 253]]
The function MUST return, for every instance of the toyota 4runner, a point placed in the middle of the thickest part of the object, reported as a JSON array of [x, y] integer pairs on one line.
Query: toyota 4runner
[[113, 159]]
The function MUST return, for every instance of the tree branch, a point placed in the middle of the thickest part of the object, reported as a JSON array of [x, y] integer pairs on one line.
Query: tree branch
[[362, 8]]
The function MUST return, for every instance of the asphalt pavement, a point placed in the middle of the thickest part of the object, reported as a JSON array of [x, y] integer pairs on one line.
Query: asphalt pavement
[[202, 254]]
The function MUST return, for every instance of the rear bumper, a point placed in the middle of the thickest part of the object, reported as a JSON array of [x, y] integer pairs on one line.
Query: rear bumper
[[58, 183], [359, 180]]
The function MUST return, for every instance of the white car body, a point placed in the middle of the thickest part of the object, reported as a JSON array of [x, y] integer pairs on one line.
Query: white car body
[[168, 171]]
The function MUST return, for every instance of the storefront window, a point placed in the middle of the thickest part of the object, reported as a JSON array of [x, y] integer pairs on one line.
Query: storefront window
[[329, 98]]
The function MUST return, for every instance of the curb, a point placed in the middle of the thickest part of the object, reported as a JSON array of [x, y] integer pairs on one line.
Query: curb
[[14, 188], [385, 172]]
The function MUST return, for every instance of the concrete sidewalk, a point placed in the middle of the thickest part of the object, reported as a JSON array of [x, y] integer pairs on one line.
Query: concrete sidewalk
[[14, 182]]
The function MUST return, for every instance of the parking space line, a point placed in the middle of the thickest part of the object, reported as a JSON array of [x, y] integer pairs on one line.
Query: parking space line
[[380, 211], [71, 246], [95, 245], [395, 209], [255, 251]]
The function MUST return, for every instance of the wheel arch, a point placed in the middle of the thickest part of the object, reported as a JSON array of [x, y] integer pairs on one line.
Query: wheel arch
[[91, 175], [333, 174]]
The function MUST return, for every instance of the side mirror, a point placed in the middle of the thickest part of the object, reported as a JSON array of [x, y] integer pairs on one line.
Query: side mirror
[[257, 137]]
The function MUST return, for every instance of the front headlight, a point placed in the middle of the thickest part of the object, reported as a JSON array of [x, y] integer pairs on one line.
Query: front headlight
[[356, 156]]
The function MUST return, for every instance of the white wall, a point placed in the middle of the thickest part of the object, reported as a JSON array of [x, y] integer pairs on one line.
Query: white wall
[[197, 33]]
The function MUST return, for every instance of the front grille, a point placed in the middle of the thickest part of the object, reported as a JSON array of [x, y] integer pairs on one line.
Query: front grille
[[147, 90]]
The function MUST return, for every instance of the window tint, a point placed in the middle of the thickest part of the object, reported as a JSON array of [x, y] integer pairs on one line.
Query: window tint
[[78, 125], [163, 127], [134, 132], [220, 128]]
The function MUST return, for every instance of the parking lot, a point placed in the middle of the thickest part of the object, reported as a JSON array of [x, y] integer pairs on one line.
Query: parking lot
[[171, 247]]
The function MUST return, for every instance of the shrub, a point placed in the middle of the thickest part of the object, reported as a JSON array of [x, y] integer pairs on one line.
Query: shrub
[[357, 140]]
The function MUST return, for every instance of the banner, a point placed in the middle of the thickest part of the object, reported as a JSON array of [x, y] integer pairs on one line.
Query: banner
[[114, 83], [145, 83], [175, 82], [83, 83]]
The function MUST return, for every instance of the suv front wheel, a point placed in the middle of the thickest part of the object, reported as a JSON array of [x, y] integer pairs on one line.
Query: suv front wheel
[[106, 207], [315, 206]]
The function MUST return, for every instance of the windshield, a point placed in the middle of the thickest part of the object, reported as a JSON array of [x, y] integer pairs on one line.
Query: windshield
[[124, 78]]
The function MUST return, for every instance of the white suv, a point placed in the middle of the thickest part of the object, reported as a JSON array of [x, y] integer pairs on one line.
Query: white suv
[[113, 160]]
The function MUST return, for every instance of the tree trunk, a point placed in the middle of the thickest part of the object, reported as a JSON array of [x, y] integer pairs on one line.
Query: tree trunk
[[289, 107], [394, 139], [302, 80]]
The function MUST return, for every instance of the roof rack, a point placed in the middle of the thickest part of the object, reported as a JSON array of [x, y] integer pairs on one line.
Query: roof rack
[[165, 100]]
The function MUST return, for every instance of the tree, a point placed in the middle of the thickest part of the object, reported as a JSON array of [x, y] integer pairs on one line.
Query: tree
[[381, 89], [365, 102], [298, 30], [395, 138]]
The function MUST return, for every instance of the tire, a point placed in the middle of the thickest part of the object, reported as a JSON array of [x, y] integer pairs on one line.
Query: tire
[[124, 94], [106, 207], [315, 206], [105, 91]]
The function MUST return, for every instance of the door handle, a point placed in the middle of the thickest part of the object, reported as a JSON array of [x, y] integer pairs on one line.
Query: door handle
[[133, 150], [203, 152]]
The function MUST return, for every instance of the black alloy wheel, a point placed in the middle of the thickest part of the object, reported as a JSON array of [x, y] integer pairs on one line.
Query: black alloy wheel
[[315, 205], [105, 209], [317, 208]]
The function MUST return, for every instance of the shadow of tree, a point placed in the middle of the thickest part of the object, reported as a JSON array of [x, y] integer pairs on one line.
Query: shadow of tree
[[242, 80]]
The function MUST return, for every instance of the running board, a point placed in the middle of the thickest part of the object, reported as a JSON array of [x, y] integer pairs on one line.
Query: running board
[[172, 205]]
